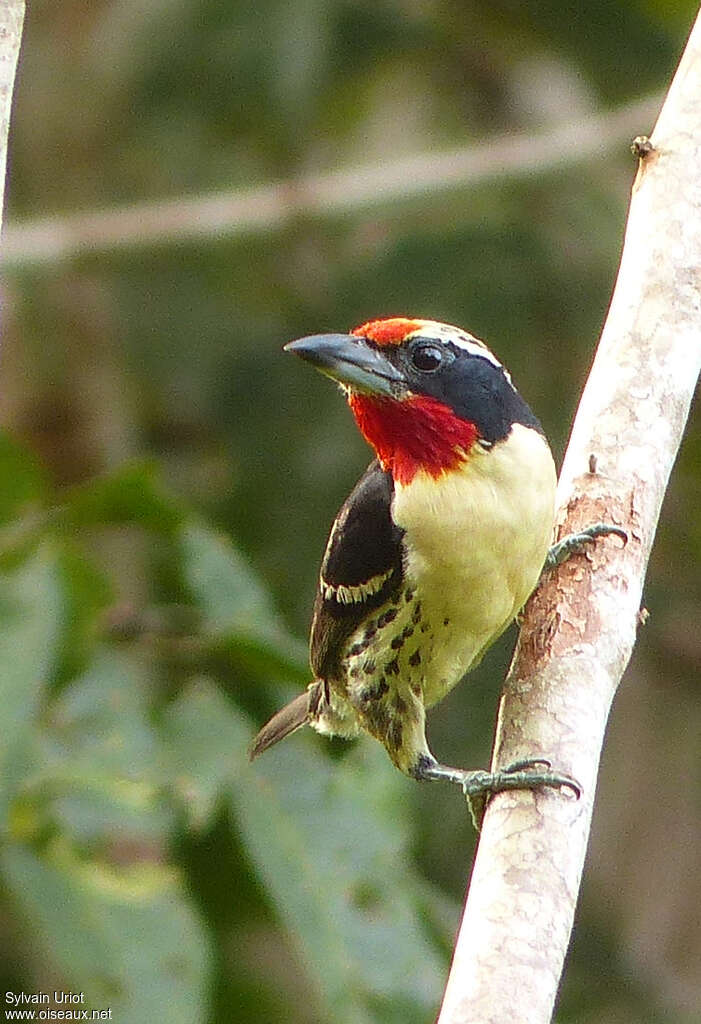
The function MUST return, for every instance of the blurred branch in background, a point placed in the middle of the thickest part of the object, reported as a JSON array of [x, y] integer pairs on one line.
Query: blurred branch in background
[[270, 207], [11, 21], [580, 627]]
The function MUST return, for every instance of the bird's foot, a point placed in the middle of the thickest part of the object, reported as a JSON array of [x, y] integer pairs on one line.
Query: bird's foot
[[479, 786], [576, 542]]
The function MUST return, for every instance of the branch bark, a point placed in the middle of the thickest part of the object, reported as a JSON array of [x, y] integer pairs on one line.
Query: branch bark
[[580, 627], [11, 21]]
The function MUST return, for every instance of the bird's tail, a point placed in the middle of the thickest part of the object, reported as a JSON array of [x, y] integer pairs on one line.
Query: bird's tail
[[287, 720]]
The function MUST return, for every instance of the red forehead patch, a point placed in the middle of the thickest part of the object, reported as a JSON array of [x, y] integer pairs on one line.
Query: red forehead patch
[[387, 332]]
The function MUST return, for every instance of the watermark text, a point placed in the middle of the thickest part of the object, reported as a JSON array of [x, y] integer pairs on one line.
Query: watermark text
[[57, 1005]]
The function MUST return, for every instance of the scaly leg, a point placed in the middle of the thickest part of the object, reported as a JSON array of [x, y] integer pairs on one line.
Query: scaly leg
[[478, 786], [576, 542]]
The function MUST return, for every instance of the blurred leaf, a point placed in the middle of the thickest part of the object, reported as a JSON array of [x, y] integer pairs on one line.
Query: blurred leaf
[[102, 774], [30, 614], [266, 659], [235, 605], [331, 844], [87, 593], [132, 495], [129, 939], [21, 479], [224, 585], [208, 743]]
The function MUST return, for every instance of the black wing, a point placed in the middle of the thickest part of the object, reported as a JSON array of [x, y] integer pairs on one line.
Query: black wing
[[361, 568]]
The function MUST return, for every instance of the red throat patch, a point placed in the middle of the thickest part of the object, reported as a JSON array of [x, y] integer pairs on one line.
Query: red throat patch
[[388, 332], [416, 433]]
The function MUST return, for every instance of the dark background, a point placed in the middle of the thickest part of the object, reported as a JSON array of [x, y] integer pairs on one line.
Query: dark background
[[149, 414]]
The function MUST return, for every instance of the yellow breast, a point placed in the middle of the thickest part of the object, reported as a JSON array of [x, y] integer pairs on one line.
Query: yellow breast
[[476, 540]]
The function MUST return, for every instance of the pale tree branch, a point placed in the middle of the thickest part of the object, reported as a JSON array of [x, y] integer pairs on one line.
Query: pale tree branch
[[270, 207], [11, 21], [580, 627]]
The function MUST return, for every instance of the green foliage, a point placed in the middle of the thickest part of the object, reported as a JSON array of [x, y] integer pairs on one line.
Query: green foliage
[[128, 938], [85, 822], [331, 844], [30, 612], [102, 771], [236, 610], [130, 496], [332, 847], [21, 479]]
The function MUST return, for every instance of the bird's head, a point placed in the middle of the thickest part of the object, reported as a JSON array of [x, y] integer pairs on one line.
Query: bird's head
[[423, 393]]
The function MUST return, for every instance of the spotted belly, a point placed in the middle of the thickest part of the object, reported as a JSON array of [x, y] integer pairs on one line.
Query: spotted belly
[[381, 684]]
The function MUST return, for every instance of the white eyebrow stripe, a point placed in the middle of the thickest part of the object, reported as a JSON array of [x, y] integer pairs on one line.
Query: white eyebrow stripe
[[459, 337], [474, 347]]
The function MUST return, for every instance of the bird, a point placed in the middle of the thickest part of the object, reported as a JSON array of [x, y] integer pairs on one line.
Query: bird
[[436, 549]]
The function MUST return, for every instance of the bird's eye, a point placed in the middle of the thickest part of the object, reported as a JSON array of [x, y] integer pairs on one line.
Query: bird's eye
[[426, 358]]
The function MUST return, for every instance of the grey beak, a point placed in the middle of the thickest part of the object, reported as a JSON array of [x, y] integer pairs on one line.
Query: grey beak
[[351, 361]]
